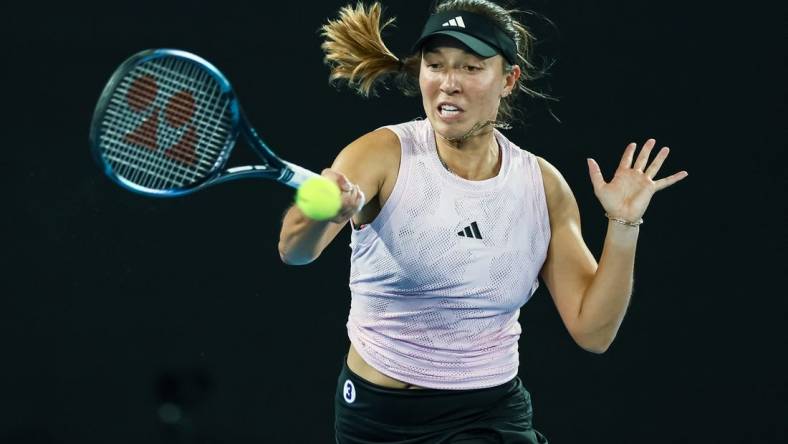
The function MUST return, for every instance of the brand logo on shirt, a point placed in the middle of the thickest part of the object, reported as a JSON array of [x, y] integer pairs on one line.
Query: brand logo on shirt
[[471, 230], [349, 391], [456, 21]]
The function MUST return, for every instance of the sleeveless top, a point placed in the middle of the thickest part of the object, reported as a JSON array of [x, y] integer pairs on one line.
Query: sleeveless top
[[438, 278]]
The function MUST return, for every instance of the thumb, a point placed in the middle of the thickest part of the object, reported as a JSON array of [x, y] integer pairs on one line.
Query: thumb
[[596, 174]]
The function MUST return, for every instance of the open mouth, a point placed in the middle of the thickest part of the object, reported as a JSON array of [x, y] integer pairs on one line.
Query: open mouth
[[448, 110]]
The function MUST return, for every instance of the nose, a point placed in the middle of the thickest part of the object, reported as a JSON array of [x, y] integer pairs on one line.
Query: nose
[[449, 83]]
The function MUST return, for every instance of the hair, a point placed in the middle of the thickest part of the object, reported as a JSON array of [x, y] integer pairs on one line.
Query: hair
[[357, 56]]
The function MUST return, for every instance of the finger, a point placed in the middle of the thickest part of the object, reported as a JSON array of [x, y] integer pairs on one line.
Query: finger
[[626, 159], [653, 169], [353, 203], [349, 198], [345, 185], [596, 174], [353, 193], [670, 180], [354, 198], [335, 177], [329, 173], [642, 160], [362, 200]]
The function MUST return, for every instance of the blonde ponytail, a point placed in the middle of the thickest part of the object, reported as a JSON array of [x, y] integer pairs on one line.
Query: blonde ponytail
[[354, 48]]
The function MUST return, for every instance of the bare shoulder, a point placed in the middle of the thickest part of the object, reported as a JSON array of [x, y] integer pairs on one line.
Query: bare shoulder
[[377, 145], [370, 161]]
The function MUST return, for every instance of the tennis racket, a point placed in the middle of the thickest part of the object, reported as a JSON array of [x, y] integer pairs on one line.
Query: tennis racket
[[166, 123]]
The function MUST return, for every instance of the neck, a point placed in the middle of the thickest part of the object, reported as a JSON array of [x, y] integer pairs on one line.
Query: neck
[[474, 156], [477, 129]]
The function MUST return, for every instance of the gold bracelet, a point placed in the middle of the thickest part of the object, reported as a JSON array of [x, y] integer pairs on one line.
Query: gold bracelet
[[624, 221]]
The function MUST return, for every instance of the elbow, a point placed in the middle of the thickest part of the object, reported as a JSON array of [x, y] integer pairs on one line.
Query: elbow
[[597, 343], [286, 260], [290, 259], [596, 349]]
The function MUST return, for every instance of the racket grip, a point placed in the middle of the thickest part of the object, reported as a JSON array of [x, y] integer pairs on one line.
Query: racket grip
[[299, 175]]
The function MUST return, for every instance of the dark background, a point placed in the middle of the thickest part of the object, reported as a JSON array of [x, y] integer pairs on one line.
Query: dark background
[[113, 305]]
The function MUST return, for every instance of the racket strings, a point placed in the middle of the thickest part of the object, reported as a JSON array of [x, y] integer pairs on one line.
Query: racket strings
[[130, 136], [185, 149], [149, 168], [167, 124]]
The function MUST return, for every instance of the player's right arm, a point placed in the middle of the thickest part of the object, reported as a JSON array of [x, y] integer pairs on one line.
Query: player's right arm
[[363, 165]]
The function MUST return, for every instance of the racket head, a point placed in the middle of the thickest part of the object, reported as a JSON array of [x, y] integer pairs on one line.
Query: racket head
[[165, 123]]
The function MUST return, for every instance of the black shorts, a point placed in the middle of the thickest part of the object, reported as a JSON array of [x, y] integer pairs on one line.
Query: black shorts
[[366, 413]]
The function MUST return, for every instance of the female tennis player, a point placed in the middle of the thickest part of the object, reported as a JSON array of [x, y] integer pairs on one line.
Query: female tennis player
[[456, 224]]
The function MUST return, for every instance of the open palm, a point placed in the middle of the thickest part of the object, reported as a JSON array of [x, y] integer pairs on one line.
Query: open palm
[[628, 194]]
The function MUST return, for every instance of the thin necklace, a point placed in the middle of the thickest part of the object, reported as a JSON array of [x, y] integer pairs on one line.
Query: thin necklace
[[475, 129], [444, 163], [471, 132]]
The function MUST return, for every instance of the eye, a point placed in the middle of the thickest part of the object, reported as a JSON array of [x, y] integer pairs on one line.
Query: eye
[[433, 66], [472, 68]]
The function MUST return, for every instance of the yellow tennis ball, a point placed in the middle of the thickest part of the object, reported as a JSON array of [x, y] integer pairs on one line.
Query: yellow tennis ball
[[319, 198]]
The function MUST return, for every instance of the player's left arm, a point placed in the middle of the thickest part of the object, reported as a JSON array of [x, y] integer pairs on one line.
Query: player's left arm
[[592, 297]]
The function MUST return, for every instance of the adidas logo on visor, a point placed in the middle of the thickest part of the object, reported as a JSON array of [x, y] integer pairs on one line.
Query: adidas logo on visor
[[456, 21]]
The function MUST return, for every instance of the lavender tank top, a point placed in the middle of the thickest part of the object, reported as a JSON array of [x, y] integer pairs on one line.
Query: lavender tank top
[[438, 278]]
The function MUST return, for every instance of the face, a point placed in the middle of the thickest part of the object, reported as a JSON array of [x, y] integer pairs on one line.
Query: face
[[459, 88]]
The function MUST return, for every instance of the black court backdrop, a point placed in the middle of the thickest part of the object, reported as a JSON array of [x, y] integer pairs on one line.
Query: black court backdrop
[[130, 320]]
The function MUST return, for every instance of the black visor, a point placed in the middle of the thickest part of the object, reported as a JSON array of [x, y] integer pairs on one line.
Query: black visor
[[475, 31]]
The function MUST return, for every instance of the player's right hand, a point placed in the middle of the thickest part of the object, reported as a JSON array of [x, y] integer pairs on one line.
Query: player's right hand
[[352, 196]]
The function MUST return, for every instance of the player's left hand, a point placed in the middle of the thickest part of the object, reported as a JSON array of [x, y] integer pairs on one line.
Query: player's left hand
[[628, 194]]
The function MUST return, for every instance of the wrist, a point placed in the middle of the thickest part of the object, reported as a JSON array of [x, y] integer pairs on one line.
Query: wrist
[[625, 221], [621, 236]]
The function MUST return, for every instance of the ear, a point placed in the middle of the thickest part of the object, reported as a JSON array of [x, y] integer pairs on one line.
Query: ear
[[510, 80]]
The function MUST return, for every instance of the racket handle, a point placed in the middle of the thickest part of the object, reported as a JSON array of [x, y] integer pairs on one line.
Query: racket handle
[[298, 176]]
